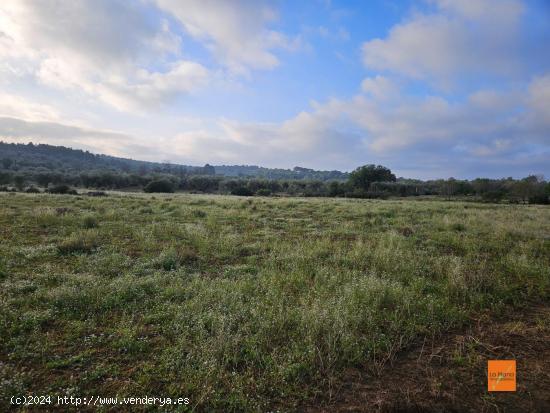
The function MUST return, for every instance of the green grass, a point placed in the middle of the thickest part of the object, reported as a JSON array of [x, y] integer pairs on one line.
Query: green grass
[[244, 304]]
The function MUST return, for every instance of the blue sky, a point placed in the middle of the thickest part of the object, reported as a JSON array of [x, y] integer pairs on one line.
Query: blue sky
[[429, 88]]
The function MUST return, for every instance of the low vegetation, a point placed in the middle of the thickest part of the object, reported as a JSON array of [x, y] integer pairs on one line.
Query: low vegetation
[[60, 170], [245, 303]]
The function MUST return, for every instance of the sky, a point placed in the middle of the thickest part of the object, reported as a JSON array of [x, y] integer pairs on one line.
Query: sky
[[428, 88]]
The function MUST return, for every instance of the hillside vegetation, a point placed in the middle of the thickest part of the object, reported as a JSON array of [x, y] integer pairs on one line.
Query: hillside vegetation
[[35, 168], [245, 304], [65, 161]]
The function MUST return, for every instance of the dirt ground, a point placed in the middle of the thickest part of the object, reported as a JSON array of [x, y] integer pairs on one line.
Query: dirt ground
[[449, 373]]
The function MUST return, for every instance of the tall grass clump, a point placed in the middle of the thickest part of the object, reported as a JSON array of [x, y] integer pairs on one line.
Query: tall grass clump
[[3, 269], [89, 221], [84, 242]]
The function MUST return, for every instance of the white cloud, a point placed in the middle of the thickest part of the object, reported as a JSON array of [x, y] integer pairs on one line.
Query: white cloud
[[235, 31], [379, 87], [56, 133], [18, 107], [499, 10], [396, 128], [65, 56], [461, 38], [104, 48], [422, 136], [539, 99]]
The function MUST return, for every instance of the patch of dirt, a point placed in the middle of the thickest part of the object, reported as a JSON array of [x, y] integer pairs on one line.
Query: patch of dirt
[[448, 373]]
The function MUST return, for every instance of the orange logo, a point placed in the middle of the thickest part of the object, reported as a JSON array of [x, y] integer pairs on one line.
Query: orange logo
[[501, 375]]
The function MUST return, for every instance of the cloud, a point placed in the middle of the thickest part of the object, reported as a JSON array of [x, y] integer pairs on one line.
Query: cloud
[[105, 48], [416, 136], [461, 38], [420, 135], [496, 10], [340, 34], [236, 31], [488, 112], [539, 100], [19, 130], [134, 90], [17, 106], [379, 87]]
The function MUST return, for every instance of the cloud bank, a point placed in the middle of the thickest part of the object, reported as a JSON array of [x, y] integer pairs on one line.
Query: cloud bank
[[447, 90]]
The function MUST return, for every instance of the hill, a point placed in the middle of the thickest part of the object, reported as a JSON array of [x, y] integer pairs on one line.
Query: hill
[[41, 157]]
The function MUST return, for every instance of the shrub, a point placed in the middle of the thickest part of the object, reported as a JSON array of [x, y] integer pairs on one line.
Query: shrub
[[263, 192], [62, 189], [168, 260], [32, 190], [242, 191], [159, 186], [540, 199], [96, 193]]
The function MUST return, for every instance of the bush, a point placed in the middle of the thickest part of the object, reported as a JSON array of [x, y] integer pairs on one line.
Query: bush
[[540, 199], [168, 260], [358, 193], [62, 189], [263, 192], [159, 186], [96, 193], [242, 191], [32, 190]]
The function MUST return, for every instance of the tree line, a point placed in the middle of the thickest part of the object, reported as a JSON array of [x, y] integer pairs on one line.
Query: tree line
[[59, 169]]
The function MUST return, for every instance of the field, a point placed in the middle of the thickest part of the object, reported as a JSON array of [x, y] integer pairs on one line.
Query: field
[[246, 304]]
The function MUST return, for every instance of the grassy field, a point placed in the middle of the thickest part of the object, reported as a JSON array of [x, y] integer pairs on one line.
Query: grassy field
[[244, 304]]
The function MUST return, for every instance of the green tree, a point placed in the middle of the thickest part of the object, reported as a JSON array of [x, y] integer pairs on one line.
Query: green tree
[[209, 170], [19, 181], [162, 185], [7, 162], [43, 179], [525, 188], [364, 176]]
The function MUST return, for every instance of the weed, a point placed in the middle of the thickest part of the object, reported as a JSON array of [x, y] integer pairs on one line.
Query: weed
[[458, 227], [79, 242], [89, 221], [199, 213]]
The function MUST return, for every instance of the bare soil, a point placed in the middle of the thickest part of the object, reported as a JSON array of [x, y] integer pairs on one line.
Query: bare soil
[[449, 373]]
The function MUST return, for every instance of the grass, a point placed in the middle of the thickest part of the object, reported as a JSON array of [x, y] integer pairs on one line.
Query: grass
[[245, 304]]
